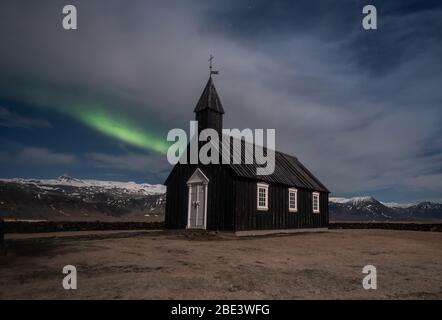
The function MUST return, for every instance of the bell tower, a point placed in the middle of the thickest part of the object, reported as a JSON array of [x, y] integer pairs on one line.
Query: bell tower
[[209, 110]]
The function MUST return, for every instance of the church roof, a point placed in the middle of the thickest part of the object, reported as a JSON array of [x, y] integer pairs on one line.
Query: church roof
[[209, 99], [288, 170]]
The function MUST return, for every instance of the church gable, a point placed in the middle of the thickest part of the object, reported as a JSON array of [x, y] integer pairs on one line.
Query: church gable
[[198, 177]]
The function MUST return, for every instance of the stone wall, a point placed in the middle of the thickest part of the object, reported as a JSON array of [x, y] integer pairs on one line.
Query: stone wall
[[52, 226], [412, 226], [2, 237]]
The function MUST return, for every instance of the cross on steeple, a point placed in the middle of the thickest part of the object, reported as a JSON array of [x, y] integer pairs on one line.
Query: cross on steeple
[[210, 66]]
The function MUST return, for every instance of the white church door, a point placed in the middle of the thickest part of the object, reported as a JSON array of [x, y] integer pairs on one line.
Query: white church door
[[197, 210]]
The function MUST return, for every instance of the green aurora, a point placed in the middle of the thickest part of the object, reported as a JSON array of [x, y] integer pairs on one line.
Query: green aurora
[[95, 115], [120, 129]]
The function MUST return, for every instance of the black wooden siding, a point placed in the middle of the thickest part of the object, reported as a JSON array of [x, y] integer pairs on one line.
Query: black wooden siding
[[209, 119], [232, 203], [220, 197], [248, 217]]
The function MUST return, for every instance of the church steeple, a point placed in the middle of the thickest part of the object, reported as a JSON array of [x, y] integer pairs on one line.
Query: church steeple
[[209, 110]]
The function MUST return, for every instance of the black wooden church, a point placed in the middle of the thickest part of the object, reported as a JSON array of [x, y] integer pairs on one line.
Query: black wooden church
[[231, 197]]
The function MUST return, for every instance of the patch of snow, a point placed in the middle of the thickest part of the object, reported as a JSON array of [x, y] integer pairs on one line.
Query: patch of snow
[[397, 205], [45, 187], [384, 215], [353, 200]]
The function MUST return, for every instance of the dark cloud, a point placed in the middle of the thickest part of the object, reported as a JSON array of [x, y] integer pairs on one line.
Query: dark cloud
[[13, 120], [36, 157], [131, 161]]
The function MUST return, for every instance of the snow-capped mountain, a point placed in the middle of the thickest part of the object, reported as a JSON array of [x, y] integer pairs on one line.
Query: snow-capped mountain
[[370, 209], [67, 181], [68, 198], [354, 200]]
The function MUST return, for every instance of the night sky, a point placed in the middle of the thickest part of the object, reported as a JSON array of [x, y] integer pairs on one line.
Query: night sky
[[361, 109]]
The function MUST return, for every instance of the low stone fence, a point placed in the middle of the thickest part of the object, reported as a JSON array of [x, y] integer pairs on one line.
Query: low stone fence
[[2, 237], [55, 226], [412, 226]]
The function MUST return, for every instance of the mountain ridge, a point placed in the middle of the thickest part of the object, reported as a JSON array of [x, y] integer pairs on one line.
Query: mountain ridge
[[66, 180], [369, 208], [86, 199], [68, 198]]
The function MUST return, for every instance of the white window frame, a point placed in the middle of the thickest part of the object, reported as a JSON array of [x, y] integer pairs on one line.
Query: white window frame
[[264, 186], [315, 195], [295, 208]]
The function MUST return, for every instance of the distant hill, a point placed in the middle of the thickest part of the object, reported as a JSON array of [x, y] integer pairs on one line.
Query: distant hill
[[67, 198], [370, 209]]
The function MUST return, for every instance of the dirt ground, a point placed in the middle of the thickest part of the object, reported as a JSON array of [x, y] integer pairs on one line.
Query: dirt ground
[[160, 265]]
